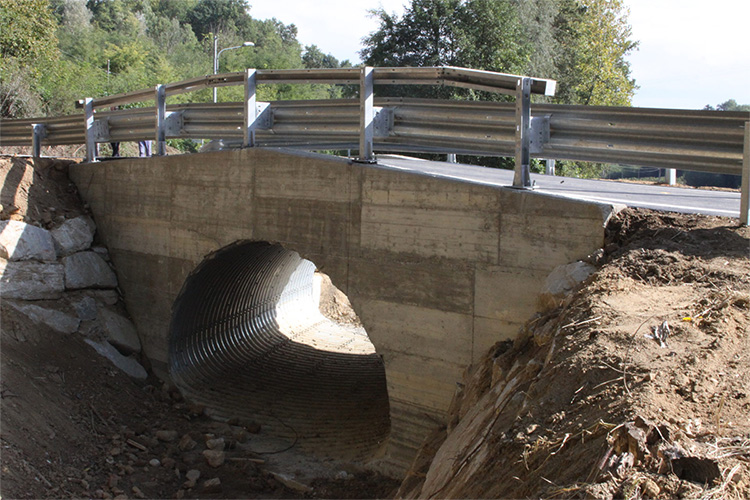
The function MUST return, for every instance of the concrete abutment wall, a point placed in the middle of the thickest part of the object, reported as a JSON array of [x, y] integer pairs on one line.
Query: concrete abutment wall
[[437, 270]]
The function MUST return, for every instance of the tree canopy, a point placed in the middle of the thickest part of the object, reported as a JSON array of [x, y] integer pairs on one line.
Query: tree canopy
[[581, 43], [57, 51], [729, 105]]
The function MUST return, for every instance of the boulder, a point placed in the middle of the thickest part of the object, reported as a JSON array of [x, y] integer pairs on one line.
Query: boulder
[[120, 332], [57, 320], [74, 235], [21, 241], [86, 308], [130, 366], [561, 281], [88, 270], [30, 280]]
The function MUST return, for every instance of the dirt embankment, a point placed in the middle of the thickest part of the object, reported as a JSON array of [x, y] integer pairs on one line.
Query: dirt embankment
[[589, 403]]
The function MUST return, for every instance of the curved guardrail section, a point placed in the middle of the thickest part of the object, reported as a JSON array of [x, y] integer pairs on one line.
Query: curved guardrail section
[[247, 341]]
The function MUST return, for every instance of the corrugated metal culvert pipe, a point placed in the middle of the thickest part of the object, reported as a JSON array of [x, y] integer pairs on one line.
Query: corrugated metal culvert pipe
[[248, 341]]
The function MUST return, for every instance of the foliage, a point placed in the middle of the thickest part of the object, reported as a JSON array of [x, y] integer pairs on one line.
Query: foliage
[[28, 49], [730, 105], [601, 74], [48, 62], [28, 30], [581, 43], [219, 16]]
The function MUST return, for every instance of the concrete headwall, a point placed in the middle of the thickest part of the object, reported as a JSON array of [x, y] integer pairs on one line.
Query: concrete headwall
[[437, 270]]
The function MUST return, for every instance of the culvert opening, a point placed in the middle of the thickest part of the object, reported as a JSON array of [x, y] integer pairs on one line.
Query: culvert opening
[[249, 342]]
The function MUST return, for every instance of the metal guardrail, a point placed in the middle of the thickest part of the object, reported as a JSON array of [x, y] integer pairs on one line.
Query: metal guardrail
[[710, 141]]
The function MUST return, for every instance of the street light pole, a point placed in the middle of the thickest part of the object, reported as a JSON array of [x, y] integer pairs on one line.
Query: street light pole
[[218, 54], [216, 60]]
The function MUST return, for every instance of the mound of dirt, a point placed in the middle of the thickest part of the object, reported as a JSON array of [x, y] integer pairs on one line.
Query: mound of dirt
[[636, 387]]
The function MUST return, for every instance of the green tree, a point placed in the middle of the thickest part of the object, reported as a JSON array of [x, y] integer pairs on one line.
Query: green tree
[[28, 30], [219, 16], [730, 105], [597, 71], [423, 36], [28, 46], [315, 58]]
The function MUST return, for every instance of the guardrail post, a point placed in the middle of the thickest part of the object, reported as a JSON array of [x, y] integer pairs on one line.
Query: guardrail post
[[39, 132], [549, 167], [366, 115], [161, 120], [671, 175], [88, 113], [521, 177], [745, 195], [251, 111]]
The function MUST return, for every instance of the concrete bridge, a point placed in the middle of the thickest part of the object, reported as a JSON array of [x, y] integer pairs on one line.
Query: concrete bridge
[[216, 254]]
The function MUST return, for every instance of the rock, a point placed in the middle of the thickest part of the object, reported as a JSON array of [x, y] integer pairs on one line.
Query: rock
[[154, 462], [290, 482], [166, 436], [137, 492], [112, 481], [212, 485], [88, 270], [214, 458], [216, 444], [192, 477], [168, 463], [253, 428], [240, 434], [101, 251], [86, 309], [650, 489], [21, 241], [562, 280], [120, 332], [186, 443], [128, 365], [57, 320], [109, 297], [31, 280], [74, 235]]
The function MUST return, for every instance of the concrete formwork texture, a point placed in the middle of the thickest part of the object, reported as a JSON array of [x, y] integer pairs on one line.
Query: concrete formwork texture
[[437, 270]]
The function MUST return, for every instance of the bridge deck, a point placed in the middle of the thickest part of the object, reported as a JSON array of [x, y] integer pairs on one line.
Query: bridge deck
[[657, 197]]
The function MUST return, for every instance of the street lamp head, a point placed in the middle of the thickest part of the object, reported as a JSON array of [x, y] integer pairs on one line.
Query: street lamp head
[[248, 44]]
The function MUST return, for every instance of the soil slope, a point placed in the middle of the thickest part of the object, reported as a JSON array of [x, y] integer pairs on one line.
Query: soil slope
[[588, 403]]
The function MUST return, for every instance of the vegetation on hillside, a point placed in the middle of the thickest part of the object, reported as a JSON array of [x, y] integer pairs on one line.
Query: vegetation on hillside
[[57, 51]]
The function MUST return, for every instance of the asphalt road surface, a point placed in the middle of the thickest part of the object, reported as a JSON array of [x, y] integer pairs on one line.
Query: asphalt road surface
[[666, 198]]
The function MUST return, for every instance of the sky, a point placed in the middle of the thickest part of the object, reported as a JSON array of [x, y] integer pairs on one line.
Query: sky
[[691, 53]]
